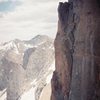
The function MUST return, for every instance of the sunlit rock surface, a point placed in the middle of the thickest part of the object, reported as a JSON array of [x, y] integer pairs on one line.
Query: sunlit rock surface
[[26, 67]]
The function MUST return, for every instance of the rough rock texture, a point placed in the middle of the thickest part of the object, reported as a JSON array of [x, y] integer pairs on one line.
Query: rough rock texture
[[25, 66], [77, 51]]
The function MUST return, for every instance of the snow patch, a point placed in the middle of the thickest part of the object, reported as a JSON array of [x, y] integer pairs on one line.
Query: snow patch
[[28, 45], [3, 95], [52, 67], [10, 46], [7, 46], [29, 95], [48, 79], [34, 82], [51, 47]]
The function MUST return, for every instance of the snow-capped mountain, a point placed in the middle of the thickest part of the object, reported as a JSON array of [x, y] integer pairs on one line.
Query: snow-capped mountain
[[26, 67]]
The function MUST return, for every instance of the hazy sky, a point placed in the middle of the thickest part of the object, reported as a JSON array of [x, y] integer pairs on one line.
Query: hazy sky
[[23, 19]]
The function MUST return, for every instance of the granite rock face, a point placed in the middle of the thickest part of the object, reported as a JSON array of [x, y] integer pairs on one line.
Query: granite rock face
[[26, 67], [77, 51]]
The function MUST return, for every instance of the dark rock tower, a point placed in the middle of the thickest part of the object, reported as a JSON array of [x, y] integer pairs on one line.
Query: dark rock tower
[[77, 51]]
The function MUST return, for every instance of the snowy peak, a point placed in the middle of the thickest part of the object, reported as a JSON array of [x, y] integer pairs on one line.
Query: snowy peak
[[26, 67], [38, 40], [17, 45], [9, 46]]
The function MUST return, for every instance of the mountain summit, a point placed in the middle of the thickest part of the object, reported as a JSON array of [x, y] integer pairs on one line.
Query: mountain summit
[[26, 68]]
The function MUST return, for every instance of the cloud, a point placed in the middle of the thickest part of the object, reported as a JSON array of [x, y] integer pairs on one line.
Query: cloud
[[8, 5], [30, 18]]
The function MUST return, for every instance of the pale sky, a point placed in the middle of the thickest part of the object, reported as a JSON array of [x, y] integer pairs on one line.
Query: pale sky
[[24, 19]]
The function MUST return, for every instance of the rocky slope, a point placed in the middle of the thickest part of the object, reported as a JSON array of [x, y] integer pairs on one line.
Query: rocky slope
[[26, 67], [77, 51]]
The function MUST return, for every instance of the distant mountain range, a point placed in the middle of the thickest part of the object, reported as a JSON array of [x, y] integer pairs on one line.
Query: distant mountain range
[[26, 67]]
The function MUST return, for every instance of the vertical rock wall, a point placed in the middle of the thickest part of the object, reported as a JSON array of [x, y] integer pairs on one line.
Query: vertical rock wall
[[77, 51]]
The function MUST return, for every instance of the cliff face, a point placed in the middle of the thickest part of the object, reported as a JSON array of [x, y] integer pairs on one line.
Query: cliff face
[[77, 51], [26, 67]]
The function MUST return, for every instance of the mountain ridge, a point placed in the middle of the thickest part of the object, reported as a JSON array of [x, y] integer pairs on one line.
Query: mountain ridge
[[25, 65]]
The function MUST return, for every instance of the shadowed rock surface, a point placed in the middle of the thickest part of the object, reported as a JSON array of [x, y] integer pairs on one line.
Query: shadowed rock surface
[[77, 51]]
